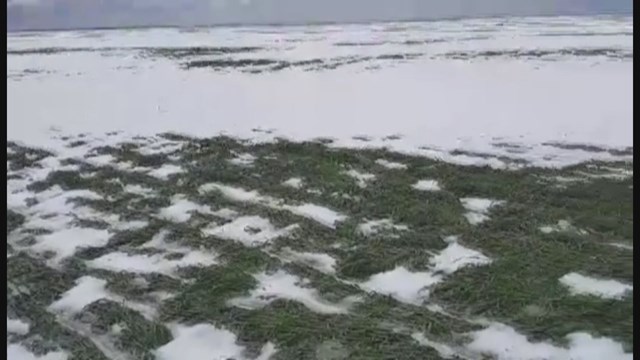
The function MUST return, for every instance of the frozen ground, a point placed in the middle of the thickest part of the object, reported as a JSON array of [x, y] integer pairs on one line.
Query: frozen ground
[[126, 240]]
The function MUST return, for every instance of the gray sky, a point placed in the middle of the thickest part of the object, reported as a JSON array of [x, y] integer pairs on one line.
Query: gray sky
[[64, 14]]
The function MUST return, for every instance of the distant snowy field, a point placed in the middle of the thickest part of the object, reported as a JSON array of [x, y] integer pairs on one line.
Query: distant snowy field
[[502, 92]]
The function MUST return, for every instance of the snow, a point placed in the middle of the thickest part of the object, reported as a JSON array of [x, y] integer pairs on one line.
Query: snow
[[65, 243], [160, 147], [426, 185], [165, 171], [504, 343], [249, 230], [234, 193], [561, 226], [455, 257], [490, 106], [622, 246], [180, 209], [148, 264], [412, 287], [321, 262], [87, 290], [391, 165], [281, 285], [129, 225], [55, 199], [243, 160], [116, 329], [470, 123], [444, 350], [19, 352], [101, 160], [225, 213], [584, 285], [295, 183], [401, 284], [267, 351], [478, 208], [373, 227], [416, 94], [55, 211], [205, 341], [475, 218], [437, 105], [320, 214], [17, 326], [155, 263], [138, 190], [478, 205], [362, 179], [158, 241]]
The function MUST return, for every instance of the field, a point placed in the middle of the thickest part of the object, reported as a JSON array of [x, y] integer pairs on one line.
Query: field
[[144, 224], [310, 250]]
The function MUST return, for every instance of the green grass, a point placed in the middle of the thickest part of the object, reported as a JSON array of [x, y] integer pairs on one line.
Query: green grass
[[520, 287]]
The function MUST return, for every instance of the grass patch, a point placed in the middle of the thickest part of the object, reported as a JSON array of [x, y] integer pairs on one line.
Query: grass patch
[[520, 287]]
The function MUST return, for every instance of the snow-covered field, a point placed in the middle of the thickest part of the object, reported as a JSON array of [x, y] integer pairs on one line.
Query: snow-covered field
[[162, 205], [548, 91]]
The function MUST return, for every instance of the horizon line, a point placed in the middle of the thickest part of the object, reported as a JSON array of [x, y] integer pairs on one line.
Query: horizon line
[[315, 22]]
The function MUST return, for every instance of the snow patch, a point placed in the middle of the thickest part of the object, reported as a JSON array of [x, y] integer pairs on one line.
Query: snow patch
[[320, 214], [116, 329], [236, 194], [321, 262], [478, 208], [584, 285], [281, 285], [504, 343], [249, 230], [562, 226], [225, 213], [88, 289], [155, 263], [413, 287], [101, 160], [139, 190], [19, 352], [427, 185], [64, 243], [205, 341], [243, 160], [163, 147], [362, 179], [165, 171], [295, 183], [148, 264], [17, 326], [622, 246], [180, 209], [445, 351], [391, 165], [455, 257], [373, 227], [403, 285]]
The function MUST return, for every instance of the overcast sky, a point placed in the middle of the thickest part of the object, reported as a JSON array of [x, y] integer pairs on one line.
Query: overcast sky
[[56, 14]]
